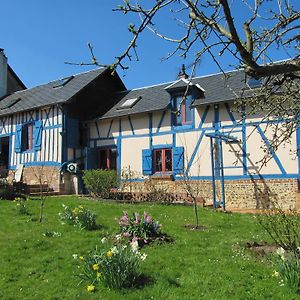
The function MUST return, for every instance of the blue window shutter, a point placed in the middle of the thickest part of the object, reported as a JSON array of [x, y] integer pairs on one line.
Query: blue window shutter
[[18, 139], [178, 160], [37, 135], [147, 161]]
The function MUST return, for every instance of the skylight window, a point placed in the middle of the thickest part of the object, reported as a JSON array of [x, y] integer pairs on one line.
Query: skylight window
[[129, 103], [63, 81], [9, 103]]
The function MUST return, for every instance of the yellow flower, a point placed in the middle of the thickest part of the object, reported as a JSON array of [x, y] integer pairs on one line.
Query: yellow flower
[[275, 274], [95, 267], [75, 211], [81, 257], [109, 254], [90, 288], [98, 274]]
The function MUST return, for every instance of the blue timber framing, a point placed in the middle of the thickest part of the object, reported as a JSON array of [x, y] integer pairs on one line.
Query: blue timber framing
[[119, 152], [131, 126], [219, 137], [244, 140], [161, 121], [46, 149], [216, 129], [270, 148]]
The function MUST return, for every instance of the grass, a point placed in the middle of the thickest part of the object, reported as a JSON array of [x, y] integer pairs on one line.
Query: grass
[[206, 264]]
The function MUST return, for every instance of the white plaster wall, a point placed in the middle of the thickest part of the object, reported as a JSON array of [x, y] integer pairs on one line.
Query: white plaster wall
[[162, 139], [103, 143], [132, 153], [140, 123], [166, 123], [209, 118], [201, 165]]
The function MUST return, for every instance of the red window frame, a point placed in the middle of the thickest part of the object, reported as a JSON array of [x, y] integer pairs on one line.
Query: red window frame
[[163, 160], [182, 118]]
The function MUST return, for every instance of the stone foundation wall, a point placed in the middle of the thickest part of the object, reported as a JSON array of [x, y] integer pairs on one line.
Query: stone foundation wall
[[245, 194], [49, 176]]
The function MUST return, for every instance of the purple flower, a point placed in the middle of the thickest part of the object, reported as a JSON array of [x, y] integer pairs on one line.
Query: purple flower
[[124, 220], [134, 240], [147, 218], [137, 218]]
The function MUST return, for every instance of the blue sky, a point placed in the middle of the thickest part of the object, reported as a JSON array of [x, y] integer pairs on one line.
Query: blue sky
[[39, 36]]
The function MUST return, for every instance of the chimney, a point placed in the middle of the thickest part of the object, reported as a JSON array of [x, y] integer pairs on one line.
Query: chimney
[[182, 74], [3, 73]]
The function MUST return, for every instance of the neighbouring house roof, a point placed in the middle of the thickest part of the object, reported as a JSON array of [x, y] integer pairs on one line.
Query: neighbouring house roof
[[16, 77], [55, 92], [216, 88]]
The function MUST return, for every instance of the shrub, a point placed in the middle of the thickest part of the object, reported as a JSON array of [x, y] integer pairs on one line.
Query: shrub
[[115, 266], [142, 229], [283, 228], [21, 206], [6, 190], [99, 183], [79, 216]]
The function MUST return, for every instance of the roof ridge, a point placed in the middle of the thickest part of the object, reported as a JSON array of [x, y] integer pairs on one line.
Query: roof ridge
[[52, 81], [173, 81]]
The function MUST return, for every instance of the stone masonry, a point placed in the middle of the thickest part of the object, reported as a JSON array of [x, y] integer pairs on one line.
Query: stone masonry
[[243, 194]]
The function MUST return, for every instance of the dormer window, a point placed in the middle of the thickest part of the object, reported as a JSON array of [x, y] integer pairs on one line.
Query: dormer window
[[183, 110]]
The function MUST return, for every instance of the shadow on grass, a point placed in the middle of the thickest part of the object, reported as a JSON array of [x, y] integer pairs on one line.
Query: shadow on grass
[[173, 283], [142, 281]]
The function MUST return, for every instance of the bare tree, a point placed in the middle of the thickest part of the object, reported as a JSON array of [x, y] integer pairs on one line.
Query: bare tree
[[44, 176], [248, 33]]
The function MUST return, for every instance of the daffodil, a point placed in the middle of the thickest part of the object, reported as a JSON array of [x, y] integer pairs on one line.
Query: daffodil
[[143, 256], [275, 274], [90, 288], [95, 267], [114, 250]]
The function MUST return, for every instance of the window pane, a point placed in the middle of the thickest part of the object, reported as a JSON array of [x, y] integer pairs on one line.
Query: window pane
[[107, 159], [188, 110], [113, 159], [177, 106], [25, 138], [158, 160], [102, 159], [168, 158]]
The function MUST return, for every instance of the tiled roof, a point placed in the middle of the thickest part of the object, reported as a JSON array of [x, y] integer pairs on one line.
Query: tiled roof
[[47, 94], [152, 99], [217, 88]]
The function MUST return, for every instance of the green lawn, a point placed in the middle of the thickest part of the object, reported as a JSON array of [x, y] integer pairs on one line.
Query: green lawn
[[198, 265]]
